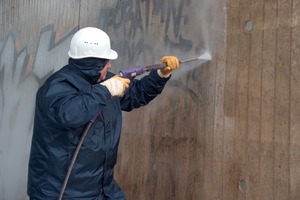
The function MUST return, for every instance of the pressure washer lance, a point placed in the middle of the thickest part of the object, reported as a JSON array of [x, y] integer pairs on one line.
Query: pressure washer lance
[[127, 73], [135, 71]]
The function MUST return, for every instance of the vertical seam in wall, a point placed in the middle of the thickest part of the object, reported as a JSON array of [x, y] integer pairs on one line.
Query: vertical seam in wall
[[224, 89], [227, 4], [261, 102], [79, 13], [214, 121], [290, 101], [248, 105], [274, 106], [235, 193]]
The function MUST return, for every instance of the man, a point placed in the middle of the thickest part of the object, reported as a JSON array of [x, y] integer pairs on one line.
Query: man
[[67, 101]]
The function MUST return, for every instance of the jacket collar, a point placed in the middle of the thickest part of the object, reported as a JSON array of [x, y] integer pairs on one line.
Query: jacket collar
[[88, 68]]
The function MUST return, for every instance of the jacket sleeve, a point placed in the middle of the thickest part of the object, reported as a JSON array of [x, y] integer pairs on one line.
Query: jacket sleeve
[[69, 107], [141, 92]]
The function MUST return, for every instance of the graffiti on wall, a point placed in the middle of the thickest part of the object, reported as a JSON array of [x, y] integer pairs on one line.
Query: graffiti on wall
[[137, 21], [133, 27], [136, 15], [19, 80]]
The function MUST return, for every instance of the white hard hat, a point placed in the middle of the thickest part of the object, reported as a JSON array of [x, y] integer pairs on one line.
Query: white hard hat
[[91, 42]]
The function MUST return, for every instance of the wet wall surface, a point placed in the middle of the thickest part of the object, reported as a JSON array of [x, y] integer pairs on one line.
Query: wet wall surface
[[224, 129]]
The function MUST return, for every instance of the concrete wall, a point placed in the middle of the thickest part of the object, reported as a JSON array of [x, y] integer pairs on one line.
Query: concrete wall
[[225, 129]]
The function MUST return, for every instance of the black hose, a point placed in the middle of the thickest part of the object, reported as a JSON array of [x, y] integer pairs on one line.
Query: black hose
[[85, 131]]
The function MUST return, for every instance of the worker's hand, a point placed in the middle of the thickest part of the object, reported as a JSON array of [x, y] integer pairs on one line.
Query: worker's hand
[[172, 64], [116, 85]]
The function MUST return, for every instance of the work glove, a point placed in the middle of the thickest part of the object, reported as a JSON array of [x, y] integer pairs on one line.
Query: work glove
[[172, 63], [116, 85]]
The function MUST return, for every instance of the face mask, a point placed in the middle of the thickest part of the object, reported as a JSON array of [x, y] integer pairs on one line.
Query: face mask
[[89, 67]]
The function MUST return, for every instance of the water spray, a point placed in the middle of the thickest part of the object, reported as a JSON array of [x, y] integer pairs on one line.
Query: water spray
[[135, 71]]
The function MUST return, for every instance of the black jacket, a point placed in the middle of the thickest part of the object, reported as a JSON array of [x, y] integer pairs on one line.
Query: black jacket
[[65, 103]]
